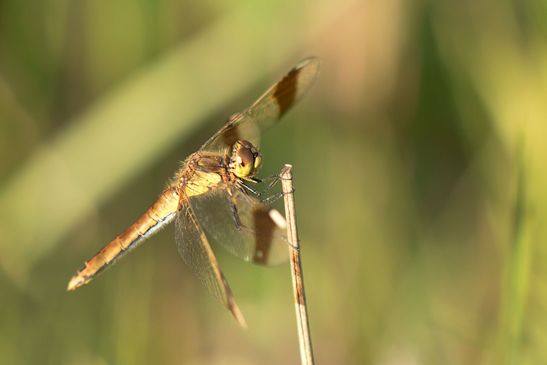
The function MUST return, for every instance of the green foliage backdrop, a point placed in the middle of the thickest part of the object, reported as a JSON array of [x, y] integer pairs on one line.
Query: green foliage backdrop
[[419, 159]]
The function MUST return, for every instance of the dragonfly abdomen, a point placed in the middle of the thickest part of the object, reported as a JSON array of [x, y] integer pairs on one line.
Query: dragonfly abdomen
[[161, 213]]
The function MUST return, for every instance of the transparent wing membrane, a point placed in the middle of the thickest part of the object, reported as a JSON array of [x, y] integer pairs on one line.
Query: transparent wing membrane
[[195, 250], [242, 225], [267, 109]]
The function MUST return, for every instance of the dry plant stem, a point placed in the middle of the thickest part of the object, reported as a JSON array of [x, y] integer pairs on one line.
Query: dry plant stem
[[304, 338]]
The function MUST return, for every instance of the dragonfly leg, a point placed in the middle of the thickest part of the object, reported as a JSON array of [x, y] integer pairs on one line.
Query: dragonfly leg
[[267, 197], [272, 198], [271, 181], [235, 214], [249, 189]]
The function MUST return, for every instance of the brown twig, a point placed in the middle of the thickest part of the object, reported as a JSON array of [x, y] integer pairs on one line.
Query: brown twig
[[304, 338]]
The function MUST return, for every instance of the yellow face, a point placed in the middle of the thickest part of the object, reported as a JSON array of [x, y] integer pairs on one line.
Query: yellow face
[[245, 160]]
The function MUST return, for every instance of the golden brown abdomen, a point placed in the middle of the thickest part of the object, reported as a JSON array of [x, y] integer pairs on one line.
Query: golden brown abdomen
[[157, 216]]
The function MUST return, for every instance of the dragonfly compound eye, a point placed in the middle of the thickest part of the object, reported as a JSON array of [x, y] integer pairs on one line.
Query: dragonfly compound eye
[[243, 160], [258, 160]]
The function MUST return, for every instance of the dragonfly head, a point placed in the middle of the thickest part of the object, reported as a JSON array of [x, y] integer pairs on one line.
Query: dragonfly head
[[245, 160]]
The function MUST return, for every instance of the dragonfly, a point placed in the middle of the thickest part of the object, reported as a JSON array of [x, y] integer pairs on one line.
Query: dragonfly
[[213, 201]]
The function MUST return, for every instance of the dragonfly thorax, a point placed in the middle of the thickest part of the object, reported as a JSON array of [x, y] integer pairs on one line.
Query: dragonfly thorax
[[245, 160]]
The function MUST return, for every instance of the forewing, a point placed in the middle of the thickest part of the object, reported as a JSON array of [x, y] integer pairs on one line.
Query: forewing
[[196, 252], [242, 224], [268, 109]]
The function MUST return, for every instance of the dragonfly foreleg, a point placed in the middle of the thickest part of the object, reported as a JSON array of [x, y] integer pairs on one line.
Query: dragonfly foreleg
[[271, 181], [266, 196], [249, 189]]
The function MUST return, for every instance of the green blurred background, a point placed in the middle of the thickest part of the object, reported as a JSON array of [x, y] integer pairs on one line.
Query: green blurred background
[[419, 157]]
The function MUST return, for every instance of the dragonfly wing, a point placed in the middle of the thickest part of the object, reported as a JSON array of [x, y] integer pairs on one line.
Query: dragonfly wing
[[242, 224], [193, 245], [267, 109]]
